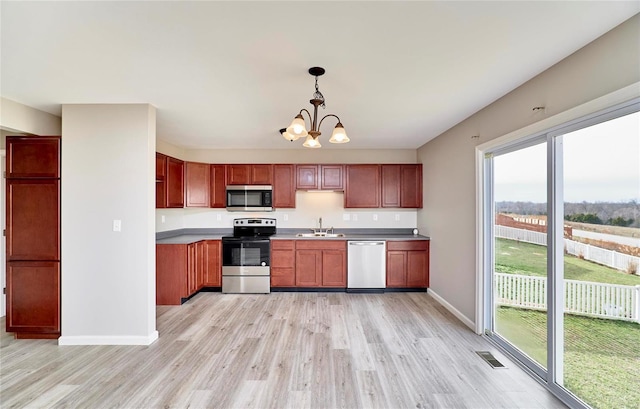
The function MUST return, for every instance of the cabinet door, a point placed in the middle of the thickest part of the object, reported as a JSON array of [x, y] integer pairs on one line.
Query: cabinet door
[[197, 184], [390, 192], [334, 271], [201, 259], [192, 269], [362, 188], [261, 174], [284, 193], [411, 186], [308, 268], [307, 177], [331, 177], [161, 194], [171, 273], [33, 297], [175, 182], [33, 219], [33, 157], [238, 174], [218, 187], [417, 270], [396, 268], [161, 166], [213, 268], [283, 263]]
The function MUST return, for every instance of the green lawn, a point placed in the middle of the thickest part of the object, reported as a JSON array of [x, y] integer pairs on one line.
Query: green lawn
[[530, 259], [602, 357]]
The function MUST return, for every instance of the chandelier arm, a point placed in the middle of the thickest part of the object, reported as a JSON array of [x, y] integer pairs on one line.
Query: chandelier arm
[[328, 115], [308, 113]]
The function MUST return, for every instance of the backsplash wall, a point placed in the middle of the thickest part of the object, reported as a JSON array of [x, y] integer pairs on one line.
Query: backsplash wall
[[310, 206]]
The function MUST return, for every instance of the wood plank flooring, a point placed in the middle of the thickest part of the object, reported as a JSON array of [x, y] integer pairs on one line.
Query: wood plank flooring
[[282, 350]]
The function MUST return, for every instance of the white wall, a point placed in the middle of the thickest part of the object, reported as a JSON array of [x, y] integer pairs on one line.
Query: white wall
[[309, 207], [609, 63], [108, 172]]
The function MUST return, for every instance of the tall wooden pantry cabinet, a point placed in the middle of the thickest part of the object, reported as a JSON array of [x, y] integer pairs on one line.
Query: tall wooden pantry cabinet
[[33, 236]]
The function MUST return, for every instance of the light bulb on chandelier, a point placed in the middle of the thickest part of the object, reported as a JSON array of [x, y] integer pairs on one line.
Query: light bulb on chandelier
[[298, 128]]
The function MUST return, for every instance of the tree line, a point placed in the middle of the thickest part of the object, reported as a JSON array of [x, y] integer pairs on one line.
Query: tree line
[[608, 213]]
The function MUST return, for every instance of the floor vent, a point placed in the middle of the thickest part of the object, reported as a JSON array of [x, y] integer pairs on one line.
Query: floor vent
[[490, 359]]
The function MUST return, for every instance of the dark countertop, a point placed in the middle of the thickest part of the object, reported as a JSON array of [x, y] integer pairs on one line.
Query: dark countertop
[[188, 236], [359, 237]]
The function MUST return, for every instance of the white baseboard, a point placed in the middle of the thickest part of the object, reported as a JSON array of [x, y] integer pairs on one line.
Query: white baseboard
[[466, 321], [108, 340]]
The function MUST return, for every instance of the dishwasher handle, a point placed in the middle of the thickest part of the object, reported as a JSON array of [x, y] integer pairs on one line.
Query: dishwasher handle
[[366, 243]]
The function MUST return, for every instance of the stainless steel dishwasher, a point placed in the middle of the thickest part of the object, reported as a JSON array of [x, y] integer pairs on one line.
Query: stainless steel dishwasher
[[366, 266]]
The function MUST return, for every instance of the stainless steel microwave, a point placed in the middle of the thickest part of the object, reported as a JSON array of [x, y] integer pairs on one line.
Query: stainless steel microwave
[[249, 198]]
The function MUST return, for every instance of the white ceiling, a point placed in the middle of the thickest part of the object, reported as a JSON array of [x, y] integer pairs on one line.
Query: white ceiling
[[231, 74]]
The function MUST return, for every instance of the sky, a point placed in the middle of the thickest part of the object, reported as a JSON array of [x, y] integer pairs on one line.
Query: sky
[[601, 164]]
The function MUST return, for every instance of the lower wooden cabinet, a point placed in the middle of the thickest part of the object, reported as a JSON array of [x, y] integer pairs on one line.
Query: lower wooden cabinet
[[212, 263], [33, 299], [283, 257], [321, 263], [408, 264], [183, 269]]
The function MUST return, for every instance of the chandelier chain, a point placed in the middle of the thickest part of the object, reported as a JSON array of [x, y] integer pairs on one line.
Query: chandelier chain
[[318, 94]]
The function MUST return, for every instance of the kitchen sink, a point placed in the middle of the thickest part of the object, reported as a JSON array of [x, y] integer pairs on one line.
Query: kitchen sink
[[327, 235]]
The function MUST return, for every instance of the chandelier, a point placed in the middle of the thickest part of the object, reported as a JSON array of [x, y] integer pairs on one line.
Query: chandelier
[[298, 129]]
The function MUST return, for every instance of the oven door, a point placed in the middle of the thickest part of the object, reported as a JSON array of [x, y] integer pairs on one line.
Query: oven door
[[245, 265], [245, 256]]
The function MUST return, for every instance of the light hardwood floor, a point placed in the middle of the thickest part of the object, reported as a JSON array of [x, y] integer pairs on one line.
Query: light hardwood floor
[[282, 350]]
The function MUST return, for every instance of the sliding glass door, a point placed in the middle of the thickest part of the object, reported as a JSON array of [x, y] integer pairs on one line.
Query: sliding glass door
[[561, 233]]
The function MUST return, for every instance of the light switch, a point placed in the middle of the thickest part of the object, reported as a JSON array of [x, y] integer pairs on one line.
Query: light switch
[[346, 217], [117, 225]]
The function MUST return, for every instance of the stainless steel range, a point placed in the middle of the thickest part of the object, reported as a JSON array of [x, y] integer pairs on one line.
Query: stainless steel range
[[246, 256]]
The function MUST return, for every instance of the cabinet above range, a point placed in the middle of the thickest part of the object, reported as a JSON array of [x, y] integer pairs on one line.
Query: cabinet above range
[[193, 184]]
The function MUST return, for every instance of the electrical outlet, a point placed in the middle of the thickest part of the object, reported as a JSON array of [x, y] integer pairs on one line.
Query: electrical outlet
[[346, 217], [219, 217], [375, 217], [162, 219], [117, 225], [397, 217], [285, 217], [355, 218]]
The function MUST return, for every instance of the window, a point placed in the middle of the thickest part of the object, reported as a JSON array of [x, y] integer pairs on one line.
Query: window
[[560, 252]]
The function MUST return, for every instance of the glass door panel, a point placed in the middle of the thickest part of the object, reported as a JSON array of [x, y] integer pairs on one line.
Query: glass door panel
[[520, 254], [601, 351]]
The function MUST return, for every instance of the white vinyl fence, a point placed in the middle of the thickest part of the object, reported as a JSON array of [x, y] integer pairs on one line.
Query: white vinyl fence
[[609, 258], [581, 297]]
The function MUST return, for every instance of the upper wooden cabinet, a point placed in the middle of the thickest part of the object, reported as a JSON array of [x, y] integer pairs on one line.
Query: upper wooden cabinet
[[250, 174], [33, 157], [161, 167], [218, 186], [319, 177], [284, 192], [401, 185], [197, 185], [362, 186], [175, 182]]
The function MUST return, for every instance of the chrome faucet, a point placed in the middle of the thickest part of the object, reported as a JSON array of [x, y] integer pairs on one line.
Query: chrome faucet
[[320, 221]]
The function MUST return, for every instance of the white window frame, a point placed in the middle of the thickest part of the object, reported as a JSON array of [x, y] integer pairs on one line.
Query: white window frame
[[615, 104]]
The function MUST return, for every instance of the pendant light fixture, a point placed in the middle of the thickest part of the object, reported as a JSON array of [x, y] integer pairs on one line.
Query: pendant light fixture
[[298, 128]]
